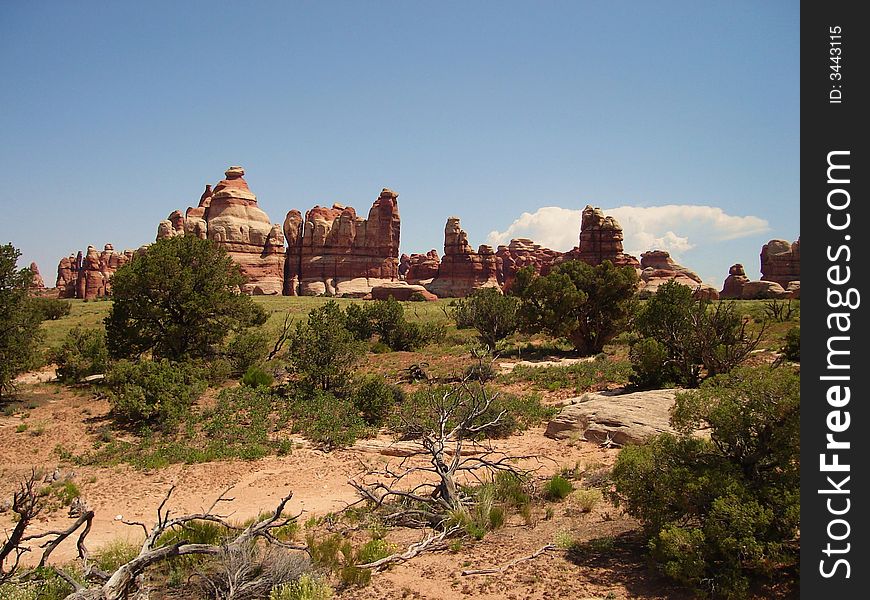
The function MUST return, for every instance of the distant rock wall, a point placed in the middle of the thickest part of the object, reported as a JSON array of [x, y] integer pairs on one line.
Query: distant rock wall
[[88, 276], [462, 270], [781, 262], [37, 284], [600, 239], [333, 251], [520, 253], [658, 268], [780, 274], [229, 216]]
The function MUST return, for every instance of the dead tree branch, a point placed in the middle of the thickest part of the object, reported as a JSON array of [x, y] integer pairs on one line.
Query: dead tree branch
[[283, 336], [449, 454], [25, 503], [412, 551], [510, 564]]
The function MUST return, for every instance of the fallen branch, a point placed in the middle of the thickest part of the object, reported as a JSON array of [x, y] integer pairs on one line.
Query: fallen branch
[[507, 566], [412, 551], [60, 536]]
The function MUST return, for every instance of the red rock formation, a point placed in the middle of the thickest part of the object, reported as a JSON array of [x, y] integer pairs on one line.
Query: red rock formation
[[293, 229], [462, 270], [404, 265], [229, 216], [67, 272], [172, 226], [734, 283], [763, 290], [523, 253], [401, 291], [600, 240], [89, 276], [658, 268], [423, 268], [345, 255], [781, 262], [37, 284]]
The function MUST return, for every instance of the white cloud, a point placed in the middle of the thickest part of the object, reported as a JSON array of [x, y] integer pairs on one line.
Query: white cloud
[[673, 227]]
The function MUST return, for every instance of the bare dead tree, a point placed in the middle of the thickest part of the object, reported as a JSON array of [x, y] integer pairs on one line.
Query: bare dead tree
[[25, 504], [155, 548], [449, 436], [283, 336]]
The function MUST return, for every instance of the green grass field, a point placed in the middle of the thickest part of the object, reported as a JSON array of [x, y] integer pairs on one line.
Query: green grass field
[[91, 314]]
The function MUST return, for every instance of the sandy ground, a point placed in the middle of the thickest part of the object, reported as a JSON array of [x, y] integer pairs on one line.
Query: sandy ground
[[318, 480]]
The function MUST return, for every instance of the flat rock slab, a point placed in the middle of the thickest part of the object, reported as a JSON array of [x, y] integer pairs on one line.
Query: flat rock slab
[[508, 367], [621, 419]]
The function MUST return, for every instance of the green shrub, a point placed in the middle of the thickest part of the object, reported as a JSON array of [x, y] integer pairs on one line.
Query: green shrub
[[179, 300], [386, 319], [43, 584], [494, 315], [240, 423], [51, 309], [65, 492], [247, 349], [82, 353], [651, 369], [307, 587], [374, 398], [196, 532], [380, 348], [791, 349], [358, 321], [255, 376], [374, 550], [511, 489], [215, 370], [19, 333], [156, 392], [580, 377], [485, 513], [326, 420], [557, 488], [588, 305], [481, 371], [721, 510], [694, 338], [323, 352], [585, 500]]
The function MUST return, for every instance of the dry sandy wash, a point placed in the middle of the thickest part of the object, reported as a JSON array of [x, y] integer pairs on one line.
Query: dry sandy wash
[[319, 483]]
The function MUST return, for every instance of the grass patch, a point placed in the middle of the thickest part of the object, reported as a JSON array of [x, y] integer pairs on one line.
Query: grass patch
[[114, 554], [416, 415], [584, 500], [307, 587], [579, 377], [557, 488]]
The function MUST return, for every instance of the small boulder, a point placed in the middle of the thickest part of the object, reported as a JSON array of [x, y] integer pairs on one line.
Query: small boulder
[[620, 419]]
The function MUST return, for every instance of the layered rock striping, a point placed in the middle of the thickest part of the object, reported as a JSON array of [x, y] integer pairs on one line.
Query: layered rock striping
[[462, 270], [229, 215], [88, 276], [600, 239], [332, 251], [658, 268], [781, 262]]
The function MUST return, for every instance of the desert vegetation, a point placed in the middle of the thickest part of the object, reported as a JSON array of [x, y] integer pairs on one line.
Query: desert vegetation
[[426, 417]]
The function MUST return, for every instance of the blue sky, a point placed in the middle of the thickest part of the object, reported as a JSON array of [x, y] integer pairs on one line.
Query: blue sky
[[114, 114]]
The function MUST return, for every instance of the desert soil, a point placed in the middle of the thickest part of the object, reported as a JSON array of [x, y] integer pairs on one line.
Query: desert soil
[[318, 480]]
